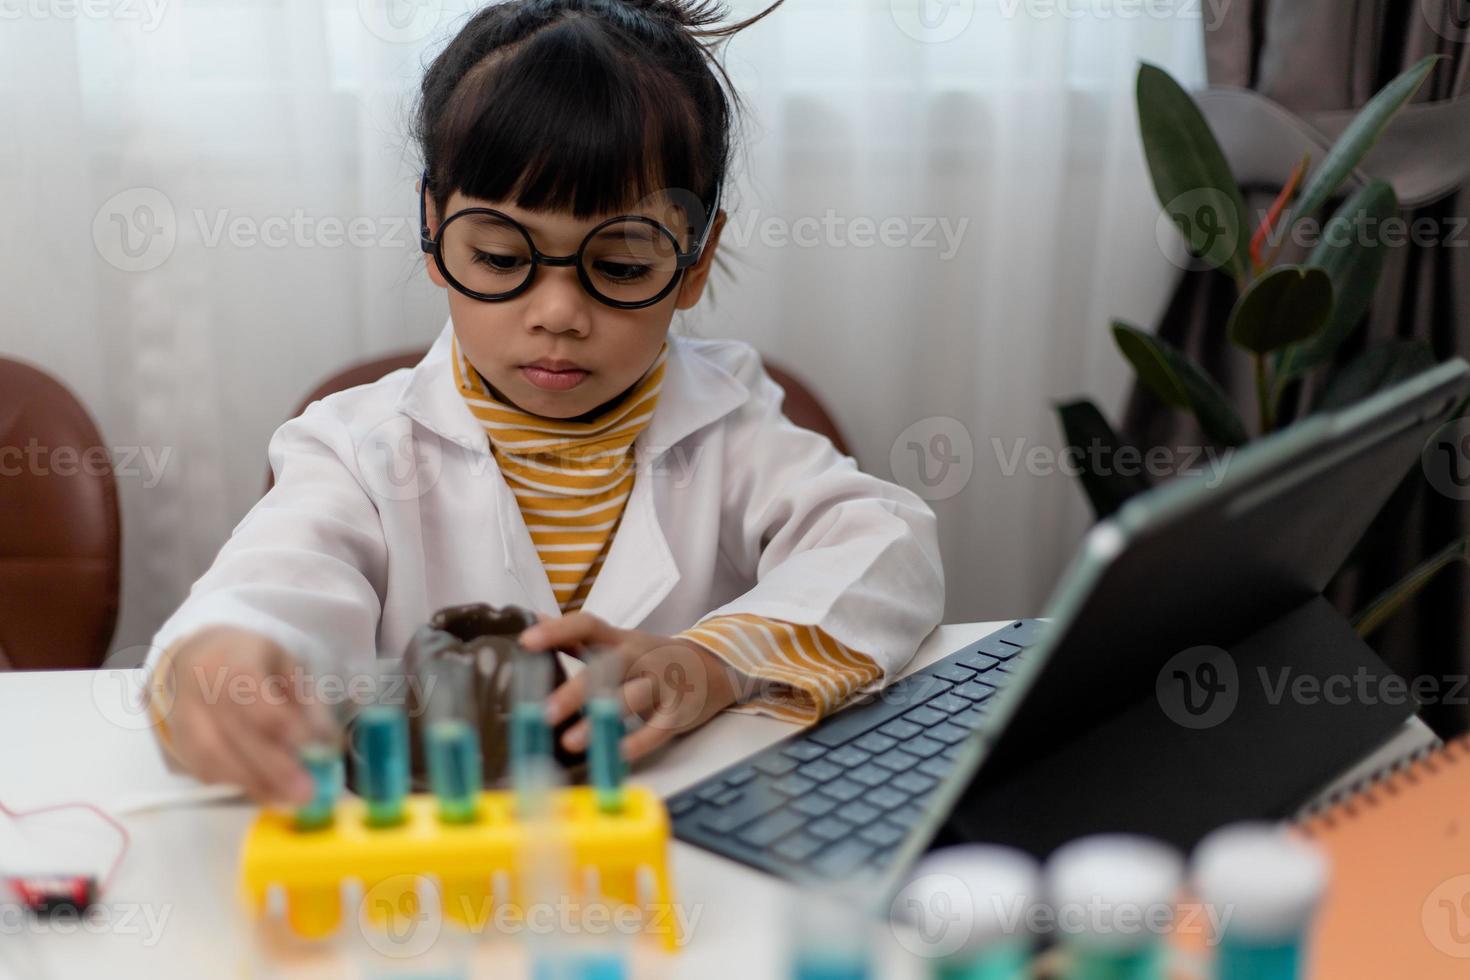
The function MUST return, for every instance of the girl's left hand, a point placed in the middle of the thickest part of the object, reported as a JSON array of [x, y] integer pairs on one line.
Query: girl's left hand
[[673, 684]]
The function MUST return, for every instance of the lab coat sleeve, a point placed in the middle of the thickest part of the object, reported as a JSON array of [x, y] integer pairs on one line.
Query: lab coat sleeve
[[307, 565], [852, 556]]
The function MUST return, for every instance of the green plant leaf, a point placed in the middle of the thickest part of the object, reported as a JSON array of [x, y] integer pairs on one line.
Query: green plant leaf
[[1395, 597], [1190, 175], [1084, 428], [1169, 373], [1375, 369], [1359, 138], [1352, 254], [1285, 306]]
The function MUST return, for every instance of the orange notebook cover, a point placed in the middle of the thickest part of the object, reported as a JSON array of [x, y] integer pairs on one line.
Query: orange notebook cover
[[1398, 901]]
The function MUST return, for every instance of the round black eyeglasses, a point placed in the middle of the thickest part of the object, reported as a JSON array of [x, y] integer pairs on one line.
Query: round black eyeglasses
[[627, 262]]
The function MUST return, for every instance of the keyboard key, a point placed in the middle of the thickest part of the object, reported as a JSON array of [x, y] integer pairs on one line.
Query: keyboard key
[[804, 751], [954, 672], [829, 829], [798, 847], [848, 756], [974, 690], [970, 716], [740, 775], [858, 813], [978, 661], [906, 815], [947, 703], [938, 767], [842, 859], [886, 798], [771, 828], [923, 747], [897, 759], [913, 691], [901, 729], [815, 805], [726, 798], [793, 785], [949, 753], [873, 742], [820, 771], [847, 725], [757, 801], [711, 789], [869, 775], [949, 733], [775, 765], [925, 715], [844, 789], [882, 834], [914, 782], [682, 805]]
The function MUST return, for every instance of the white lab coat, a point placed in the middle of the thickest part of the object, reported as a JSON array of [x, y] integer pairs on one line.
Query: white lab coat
[[388, 505]]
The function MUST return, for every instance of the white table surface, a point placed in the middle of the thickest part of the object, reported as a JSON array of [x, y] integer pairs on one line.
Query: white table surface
[[173, 910]]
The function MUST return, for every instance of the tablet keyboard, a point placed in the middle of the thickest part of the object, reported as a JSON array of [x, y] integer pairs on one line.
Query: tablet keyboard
[[842, 795]]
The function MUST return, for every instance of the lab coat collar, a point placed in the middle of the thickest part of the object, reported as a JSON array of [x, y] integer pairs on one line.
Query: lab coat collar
[[696, 392]]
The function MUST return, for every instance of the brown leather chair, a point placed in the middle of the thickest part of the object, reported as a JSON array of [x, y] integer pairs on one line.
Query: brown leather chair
[[801, 405], [60, 532]]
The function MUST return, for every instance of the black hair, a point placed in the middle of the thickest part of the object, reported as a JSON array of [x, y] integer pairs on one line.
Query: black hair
[[586, 106]]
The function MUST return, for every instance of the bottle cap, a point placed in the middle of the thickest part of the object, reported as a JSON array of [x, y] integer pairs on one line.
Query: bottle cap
[[1267, 880], [1114, 891], [971, 897]]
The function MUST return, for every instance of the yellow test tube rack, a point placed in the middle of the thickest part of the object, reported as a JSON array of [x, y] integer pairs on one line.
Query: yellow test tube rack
[[479, 867]]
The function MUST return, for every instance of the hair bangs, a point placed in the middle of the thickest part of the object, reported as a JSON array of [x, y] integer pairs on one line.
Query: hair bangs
[[569, 120]]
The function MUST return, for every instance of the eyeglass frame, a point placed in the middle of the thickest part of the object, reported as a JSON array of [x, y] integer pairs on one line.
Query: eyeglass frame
[[433, 245]]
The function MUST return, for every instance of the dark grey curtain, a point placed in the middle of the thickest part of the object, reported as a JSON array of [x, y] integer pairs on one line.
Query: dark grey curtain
[[1318, 60]]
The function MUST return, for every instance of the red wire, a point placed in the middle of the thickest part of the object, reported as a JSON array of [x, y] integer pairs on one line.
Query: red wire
[[121, 830]]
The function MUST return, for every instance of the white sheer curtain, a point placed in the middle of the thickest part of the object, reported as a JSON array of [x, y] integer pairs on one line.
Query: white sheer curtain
[[209, 208]]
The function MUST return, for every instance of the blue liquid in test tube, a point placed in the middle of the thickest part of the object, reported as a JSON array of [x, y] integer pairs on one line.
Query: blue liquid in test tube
[[605, 764], [381, 740], [323, 763], [454, 768]]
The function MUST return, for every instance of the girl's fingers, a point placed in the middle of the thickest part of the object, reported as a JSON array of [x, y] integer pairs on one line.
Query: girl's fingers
[[637, 696], [209, 756], [644, 741], [569, 630], [273, 772], [563, 702]]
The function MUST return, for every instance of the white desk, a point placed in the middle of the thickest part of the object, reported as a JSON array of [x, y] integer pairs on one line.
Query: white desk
[[173, 908]]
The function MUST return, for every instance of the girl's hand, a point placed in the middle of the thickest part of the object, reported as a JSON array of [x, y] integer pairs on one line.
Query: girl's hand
[[233, 717], [673, 684]]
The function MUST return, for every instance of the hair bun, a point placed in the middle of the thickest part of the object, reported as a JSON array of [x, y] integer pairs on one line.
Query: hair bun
[[698, 17]]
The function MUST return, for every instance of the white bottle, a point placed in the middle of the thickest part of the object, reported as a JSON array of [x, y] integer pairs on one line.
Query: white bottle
[[1113, 898], [970, 911], [1265, 886]]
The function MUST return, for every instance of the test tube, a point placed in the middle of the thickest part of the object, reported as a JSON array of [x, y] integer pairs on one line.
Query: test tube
[[830, 933], [530, 733], [1272, 884], [605, 764], [452, 738], [322, 760], [1113, 896], [380, 739]]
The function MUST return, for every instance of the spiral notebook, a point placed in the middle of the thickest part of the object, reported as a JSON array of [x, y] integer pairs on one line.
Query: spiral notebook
[[1398, 904]]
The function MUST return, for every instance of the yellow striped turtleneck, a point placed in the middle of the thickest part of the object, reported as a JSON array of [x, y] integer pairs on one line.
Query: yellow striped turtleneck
[[572, 479]]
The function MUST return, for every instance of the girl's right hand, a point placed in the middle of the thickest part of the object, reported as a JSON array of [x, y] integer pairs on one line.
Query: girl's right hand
[[234, 717]]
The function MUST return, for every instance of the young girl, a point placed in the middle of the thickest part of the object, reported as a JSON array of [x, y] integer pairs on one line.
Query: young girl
[[557, 448]]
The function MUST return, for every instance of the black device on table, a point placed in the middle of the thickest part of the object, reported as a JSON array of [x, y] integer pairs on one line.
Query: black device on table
[[1150, 701]]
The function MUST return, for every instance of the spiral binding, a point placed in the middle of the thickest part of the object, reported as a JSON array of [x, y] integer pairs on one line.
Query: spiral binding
[[1387, 782]]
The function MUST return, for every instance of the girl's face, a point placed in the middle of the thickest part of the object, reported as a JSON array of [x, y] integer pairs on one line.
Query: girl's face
[[556, 320]]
